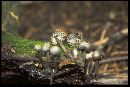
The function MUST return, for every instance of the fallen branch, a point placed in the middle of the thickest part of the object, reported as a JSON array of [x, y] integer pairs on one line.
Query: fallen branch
[[119, 53], [114, 59]]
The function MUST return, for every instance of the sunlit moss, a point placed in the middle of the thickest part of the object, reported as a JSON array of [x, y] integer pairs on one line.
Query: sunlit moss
[[22, 46]]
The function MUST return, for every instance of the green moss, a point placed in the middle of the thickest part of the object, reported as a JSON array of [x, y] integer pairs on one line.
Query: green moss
[[21, 46]]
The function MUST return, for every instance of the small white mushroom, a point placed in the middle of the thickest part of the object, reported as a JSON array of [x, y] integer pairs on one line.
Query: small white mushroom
[[96, 58], [46, 47], [89, 55], [45, 50], [54, 50], [38, 47], [88, 61]]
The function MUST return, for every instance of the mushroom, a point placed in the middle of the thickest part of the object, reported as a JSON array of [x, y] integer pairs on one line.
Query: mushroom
[[46, 49], [55, 50], [60, 35], [38, 49], [89, 59], [57, 39], [96, 58], [51, 79], [96, 55], [74, 39], [55, 54], [85, 48]]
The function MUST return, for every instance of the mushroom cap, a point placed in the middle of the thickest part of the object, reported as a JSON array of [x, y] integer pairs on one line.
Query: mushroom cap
[[60, 35], [96, 55], [74, 38], [86, 46], [89, 55], [46, 47], [38, 47], [54, 50]]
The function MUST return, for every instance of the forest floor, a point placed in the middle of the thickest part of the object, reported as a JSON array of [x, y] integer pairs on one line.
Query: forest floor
[[97, 21]]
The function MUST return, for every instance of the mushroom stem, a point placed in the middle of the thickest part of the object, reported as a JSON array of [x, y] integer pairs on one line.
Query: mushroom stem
[[48, 62], [51, 78], [56, 60], [84, 57], [88, 67], [96, 67], [39, 56], [96, 58], [92, 67], [55, 56], [48, 59]]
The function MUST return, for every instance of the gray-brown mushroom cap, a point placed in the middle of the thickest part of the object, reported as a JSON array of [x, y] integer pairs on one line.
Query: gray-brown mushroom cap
[[86, 46], [96, 55]]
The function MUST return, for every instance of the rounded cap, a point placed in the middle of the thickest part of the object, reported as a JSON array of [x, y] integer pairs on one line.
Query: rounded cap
[[86, 46], [54, 50], [46, 47], [89, 55], [96, 55], [38, 47]]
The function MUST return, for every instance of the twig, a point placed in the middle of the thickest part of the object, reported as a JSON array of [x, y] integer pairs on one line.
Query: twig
[[114, 38], [103, 34], [113, 59], [102, 39], [100, 42], [119, 52]]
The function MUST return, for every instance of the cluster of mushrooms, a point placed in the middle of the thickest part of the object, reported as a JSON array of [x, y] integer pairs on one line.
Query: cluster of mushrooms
[[83, 53]]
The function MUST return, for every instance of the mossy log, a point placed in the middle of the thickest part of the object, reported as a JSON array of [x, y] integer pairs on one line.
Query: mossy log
[[18, 45]]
